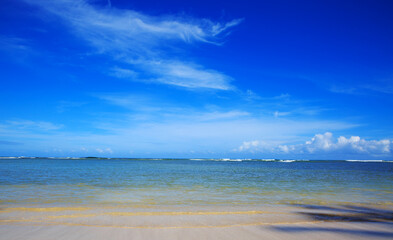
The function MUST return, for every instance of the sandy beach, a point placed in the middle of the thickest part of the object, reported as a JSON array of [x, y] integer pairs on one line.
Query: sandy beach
[[221, 222]]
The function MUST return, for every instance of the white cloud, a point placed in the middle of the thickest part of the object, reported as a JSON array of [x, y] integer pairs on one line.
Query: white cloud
[[32, 125], [144, 42], [153, 106], [190, 76], [384, 86], [123, 73], [105, 150], [189, 131], [325, 144], [234, 114], [354, 144], [171, 133], [280, 114], [83, 149], [252, 145], [14, 44], [17, 49]]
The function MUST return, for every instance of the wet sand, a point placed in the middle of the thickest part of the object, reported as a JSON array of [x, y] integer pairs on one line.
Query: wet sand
[[197, 222]]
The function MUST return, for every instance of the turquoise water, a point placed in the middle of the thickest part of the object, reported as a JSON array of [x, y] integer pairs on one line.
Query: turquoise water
[[189, 182]]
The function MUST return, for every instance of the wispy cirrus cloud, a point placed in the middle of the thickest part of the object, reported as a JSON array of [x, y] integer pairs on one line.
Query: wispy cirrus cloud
[[16, 132], [385, 87], [144, 44], [189, 75], [152, 108], [14, 43], [31, 125], [9, 143], [17, 49]]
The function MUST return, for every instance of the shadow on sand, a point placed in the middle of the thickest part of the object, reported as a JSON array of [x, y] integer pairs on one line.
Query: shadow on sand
[[344, 213]]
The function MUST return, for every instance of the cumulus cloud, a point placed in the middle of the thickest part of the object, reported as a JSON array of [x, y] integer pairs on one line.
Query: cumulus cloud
[[354, 144], [325, 144], [144, 43]]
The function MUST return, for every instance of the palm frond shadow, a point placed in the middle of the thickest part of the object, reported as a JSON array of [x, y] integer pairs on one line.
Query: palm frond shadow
[[343, 213]]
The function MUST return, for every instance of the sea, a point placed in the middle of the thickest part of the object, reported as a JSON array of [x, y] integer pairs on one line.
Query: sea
[[193, 182]]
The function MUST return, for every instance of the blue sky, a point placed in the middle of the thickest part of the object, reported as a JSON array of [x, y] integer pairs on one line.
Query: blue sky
[[256, 79]]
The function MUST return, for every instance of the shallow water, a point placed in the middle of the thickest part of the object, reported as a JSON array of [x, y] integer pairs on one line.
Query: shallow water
[[147, 182]]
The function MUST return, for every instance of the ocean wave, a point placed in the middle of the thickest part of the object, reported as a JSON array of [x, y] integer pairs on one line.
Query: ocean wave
[[246, 160], [366, 161], [220, 159], [287, 161], [228, 160]]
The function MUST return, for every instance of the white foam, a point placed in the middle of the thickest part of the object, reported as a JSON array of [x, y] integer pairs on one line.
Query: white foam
[[364, 160], [229, 160], [287, 161]]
